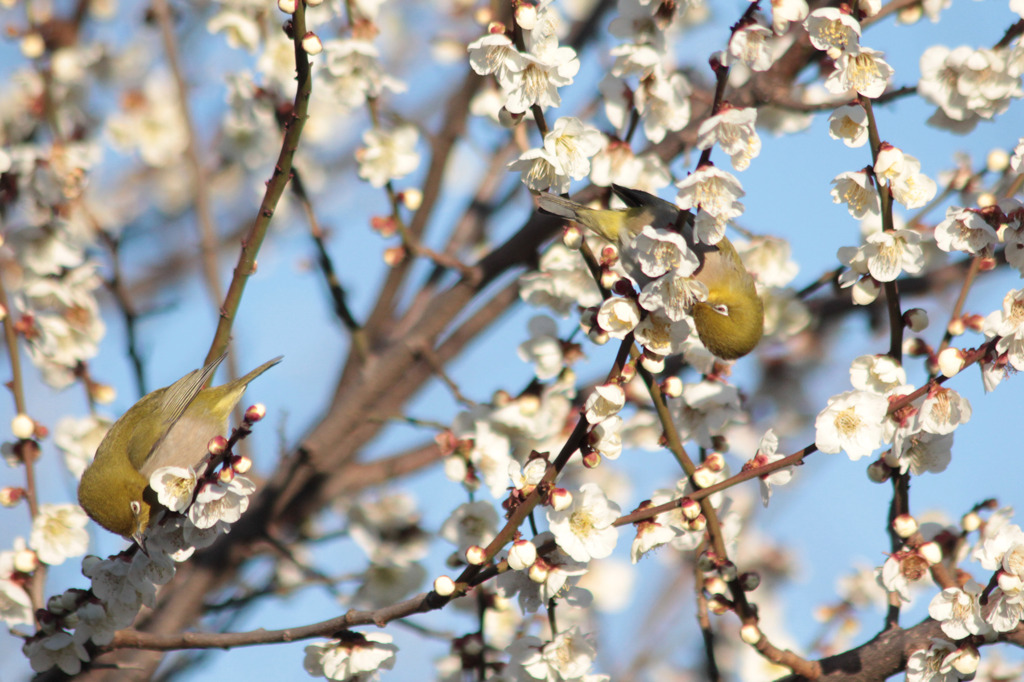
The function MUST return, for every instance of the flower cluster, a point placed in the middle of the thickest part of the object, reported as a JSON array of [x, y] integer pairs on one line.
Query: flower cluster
[[201, 506]]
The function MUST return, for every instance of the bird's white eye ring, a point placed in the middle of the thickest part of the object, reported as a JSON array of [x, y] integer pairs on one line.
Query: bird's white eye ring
[[721, 309], [136, 507]]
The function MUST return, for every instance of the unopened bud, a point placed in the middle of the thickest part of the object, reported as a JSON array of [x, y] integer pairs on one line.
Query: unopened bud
[[10, 496], [987, 263], [970, 522], [967, 660], [286, 6], [521, 555], [476, 555], [526, 16], [1008, 582], [609, 278], [23, 426], [916, 320], [598, 336], [226, 475], [879, 471], [25, 561], [715, 585], [255, 413], [716, 462], [311, 44], [394, 256], [951, 361], [986, 199], [33, 45], [750, 581], [592, 459], [690, 508], [904, 525], [705, 562], [572, 237], [719, 606], [539, 571], [655, 364], [931, 552], [103, 394], [956, 327], [561, 499], [217, 445], [704, 477], [750, 634], [507, 119], [698, 524], [672, 387], [444, 585], [412, 198], [728, 571], [997, 160], [241, 464]]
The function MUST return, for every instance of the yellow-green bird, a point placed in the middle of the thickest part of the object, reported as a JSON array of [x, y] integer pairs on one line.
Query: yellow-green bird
[[730, 322], [169, 427]]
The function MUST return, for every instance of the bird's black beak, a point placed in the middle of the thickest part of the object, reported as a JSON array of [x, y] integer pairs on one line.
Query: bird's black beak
[[140, 540]]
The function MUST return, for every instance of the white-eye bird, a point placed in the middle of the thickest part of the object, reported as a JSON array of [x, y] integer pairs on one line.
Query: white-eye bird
[[171, 426], [730, 322]]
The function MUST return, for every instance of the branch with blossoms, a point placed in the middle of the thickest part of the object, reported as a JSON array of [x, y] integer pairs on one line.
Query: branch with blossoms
[[419, 197]]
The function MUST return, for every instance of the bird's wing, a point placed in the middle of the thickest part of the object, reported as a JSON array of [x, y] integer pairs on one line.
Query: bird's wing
[[176, 399]]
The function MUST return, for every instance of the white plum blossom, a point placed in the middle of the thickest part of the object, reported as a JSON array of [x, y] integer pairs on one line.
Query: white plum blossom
[[59, 649], [388, 154], [1008, 325], [849, 123], [584, 531], [568, 656], [752, 45], [673, 295], [889, 253], [769, 259], [943, 410], [570, 144], [219, 504], [354, 73], [659, 251], [911, 187], [933, 664], [543, 348], [538, 79], [735, 132], [606, 437], [864, 72], [618, 316], [663, 101], [15, 604], [965, 230], [851, 422], [833, 31], [879, 374], [495, 54], [561, 282], [959, 611], [968, 84], [767, 452], [854, 188], [662, 336], [785, 12], [58, 533], [174, 486], [351, 659], [713, 190], [78, 440], [605, 401], [472, 523]]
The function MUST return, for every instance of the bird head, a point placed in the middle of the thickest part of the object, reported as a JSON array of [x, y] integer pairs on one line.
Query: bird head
[[730, 322], [120, 500]]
